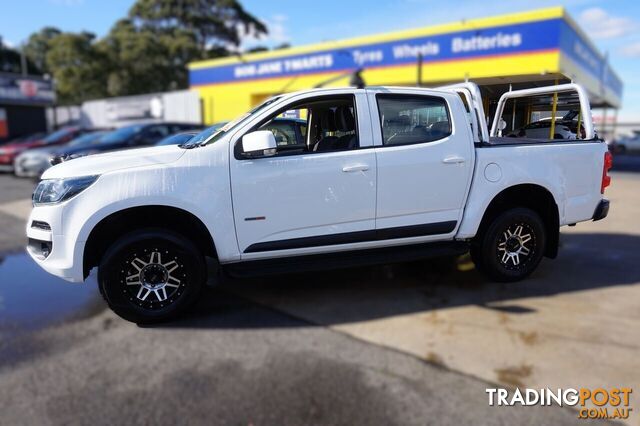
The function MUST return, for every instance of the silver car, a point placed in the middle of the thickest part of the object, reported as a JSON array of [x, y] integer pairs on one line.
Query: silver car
[[33, 162]]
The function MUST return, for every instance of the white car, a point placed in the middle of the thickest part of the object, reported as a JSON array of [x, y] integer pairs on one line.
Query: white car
[[541, 130], [378, 175], [565, 127], [629, 144]]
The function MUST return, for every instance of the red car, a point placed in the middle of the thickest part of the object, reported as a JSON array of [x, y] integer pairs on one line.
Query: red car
[[10, 151]]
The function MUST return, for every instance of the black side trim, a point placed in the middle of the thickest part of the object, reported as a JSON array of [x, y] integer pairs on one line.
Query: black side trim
[[505, 141], [356, 237], [602, 210], [346, 259]]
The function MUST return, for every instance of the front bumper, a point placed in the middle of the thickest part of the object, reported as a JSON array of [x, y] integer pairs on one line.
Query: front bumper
[[55, 253], [602, 210]]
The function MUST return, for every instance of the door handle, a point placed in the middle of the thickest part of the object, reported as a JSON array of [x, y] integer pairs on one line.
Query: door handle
[[356, 168], [453, 160]]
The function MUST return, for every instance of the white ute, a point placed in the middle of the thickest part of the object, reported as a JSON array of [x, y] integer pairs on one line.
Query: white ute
[[370, 175]]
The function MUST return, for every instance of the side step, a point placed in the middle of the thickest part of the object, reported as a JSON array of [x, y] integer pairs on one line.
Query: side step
[[345, 259]]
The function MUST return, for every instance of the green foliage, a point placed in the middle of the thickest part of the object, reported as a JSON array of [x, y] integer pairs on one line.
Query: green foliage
[[213, 22], [38, 45], [77, 66], [146, 52], [11, 60], [147, 60]]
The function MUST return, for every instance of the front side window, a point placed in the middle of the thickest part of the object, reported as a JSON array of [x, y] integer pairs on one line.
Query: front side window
[[317, 125], [409, 119]]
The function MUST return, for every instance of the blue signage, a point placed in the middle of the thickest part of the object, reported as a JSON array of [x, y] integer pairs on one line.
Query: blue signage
[[544, 35], [461, 45], [26, 90], [581, 52]]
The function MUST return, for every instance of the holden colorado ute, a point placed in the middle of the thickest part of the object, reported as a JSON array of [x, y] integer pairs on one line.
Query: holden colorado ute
[[366, 175]]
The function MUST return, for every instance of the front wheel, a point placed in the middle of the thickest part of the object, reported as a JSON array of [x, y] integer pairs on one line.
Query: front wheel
[[151, 276], [512, 246]]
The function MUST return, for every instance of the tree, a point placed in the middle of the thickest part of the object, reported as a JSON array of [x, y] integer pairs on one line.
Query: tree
[[38, 45], [11, 60], [147, 60], [214, 23], [257, 49], [146, 52], [77, 67]]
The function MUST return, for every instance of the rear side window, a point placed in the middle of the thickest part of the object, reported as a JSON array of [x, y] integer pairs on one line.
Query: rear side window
[[409, 119]]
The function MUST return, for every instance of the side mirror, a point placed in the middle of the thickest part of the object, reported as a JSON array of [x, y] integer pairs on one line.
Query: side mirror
[[260, 143]]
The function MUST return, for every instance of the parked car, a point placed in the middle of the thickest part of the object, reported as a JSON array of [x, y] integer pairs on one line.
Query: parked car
[[177, 139], [9, 152], [381, 175], [181, 138], [630, 144], [565, 127], [33, 162], [132, 136], [26, 138]]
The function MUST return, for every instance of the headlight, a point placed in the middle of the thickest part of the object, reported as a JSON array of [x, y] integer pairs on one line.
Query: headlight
[[52, 191]]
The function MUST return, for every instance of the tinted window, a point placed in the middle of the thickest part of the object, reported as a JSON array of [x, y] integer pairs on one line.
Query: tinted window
[[59, 135], [412, 119], [87, 139], [122, 134], [178, 139], [157, 132]]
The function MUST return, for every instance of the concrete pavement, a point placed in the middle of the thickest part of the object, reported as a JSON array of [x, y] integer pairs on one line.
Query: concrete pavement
[[402, 344], [574, 323]]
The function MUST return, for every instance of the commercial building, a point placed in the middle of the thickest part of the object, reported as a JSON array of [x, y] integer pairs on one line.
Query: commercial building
[[528, 49], [181, 106], [23, 103]]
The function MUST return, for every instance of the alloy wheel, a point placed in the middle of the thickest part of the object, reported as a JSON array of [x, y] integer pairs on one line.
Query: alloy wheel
[[516, 246], [153, 279]]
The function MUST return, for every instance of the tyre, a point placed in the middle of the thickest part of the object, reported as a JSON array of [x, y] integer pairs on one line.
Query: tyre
[[512, 246], [151, 276]]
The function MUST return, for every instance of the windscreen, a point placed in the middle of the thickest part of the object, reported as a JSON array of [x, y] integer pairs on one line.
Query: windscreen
[[215, 132]]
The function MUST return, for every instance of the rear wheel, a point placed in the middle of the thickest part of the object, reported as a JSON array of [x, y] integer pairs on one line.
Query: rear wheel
[[512, 246], [151, 276]]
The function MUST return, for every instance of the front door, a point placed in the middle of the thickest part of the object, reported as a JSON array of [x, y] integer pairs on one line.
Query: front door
[[319, 189]]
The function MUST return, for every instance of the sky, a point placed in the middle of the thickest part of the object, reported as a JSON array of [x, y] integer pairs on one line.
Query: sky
[[614, 25]]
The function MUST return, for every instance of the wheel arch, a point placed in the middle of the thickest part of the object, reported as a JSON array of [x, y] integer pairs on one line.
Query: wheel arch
[[118, 223], [534, 197]]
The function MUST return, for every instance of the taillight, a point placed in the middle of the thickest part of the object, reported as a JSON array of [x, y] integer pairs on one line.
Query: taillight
[[606, 179]]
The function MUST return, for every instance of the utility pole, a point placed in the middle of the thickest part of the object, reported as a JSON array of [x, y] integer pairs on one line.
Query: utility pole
[[23, 60], [419, 69]]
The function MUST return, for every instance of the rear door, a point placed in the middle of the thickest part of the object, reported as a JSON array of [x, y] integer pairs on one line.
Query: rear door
[[425, 158]]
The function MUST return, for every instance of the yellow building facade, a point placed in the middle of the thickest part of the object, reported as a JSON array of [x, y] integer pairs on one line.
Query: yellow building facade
[[510, 51]]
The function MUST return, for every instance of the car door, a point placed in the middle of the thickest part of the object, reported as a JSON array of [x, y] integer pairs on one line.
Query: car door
[[307, 200], [425, 161]]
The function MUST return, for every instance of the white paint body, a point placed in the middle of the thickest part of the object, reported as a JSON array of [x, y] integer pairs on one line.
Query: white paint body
[[318, 194]]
